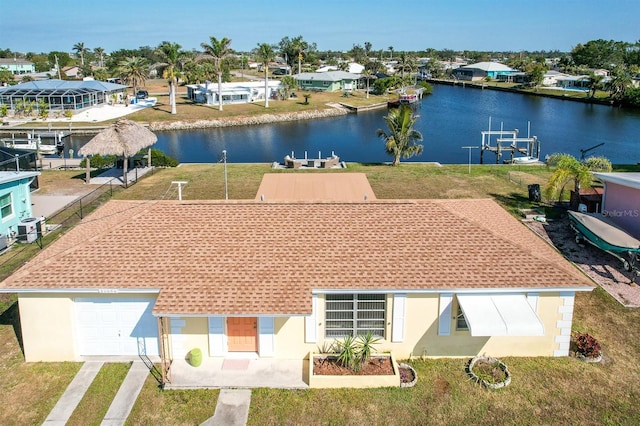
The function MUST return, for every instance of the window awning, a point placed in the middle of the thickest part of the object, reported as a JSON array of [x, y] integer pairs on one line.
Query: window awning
[[500, 315]]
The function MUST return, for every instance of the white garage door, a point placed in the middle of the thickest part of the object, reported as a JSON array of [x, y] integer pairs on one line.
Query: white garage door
[[116, 326]]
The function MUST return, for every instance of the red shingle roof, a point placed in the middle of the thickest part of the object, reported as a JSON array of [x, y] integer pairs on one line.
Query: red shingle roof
[[216, 257]]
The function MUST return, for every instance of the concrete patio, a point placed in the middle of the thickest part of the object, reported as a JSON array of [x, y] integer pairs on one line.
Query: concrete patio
[[239, 373]]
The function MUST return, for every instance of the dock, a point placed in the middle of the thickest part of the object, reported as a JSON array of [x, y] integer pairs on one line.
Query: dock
[[509, 143]]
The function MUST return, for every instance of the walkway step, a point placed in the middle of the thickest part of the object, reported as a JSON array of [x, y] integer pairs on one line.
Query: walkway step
[[127, 394], [232, 408], [73, 394]]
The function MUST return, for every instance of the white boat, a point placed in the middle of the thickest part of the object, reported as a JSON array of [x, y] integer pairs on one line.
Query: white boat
[[524, 160], [30, 144]]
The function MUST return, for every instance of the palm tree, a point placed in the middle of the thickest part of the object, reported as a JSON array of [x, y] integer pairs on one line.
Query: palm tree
[[171, 55], [390, 52], [80, 50], [100, 52], [300, 47], [134, 70], [265, 54], [571, 170], [288, 84], [366, 73], [620, 82], [402, 137], [594, 82], [219, 50]]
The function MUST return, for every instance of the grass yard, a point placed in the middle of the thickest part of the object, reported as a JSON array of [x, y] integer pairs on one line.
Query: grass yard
[[543, 390]]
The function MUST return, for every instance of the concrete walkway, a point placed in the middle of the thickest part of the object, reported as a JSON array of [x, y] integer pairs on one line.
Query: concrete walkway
[[127, 395], [232, 408], [73, 394]]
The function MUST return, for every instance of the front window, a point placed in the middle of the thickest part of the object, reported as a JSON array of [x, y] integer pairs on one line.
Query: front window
[[461, 321], [354, 314], [6, 207]]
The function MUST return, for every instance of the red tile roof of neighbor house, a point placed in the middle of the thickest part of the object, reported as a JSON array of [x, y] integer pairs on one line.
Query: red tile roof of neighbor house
[[231, 257]]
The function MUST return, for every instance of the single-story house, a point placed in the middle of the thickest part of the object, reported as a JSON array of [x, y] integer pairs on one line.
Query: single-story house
[[232, 93], [17, 66], [573, 82], [15, 204], [621, 200], [275, 278], [551, 78], [330, 81], [482, 70], [62, 94]]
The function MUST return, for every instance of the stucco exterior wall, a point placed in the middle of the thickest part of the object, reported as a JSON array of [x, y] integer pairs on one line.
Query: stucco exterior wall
[[622, 206], [421, 337], [47, 324], [188, 334]]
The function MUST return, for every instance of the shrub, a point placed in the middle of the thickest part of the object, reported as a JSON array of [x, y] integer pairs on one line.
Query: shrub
[[99, 162], [587, 345], [160, 159], [353, 352]]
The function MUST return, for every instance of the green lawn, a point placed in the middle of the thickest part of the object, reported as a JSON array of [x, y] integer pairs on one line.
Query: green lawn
[[543, 390]]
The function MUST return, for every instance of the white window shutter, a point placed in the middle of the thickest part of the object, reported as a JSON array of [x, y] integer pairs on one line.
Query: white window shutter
[[311, 322], [397, 325], [444, 320], [217, 346], [266, 336]]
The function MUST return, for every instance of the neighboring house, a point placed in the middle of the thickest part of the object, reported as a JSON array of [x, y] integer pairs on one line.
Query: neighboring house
[[330, 81], [232, 93], [551, 78], [482, 70], [621, 200], [17, 66], [15, 201], [310, 260], [62, 94], [573, 82], [72, 71]]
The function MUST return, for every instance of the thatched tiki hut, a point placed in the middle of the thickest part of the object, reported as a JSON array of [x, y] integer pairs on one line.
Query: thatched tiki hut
[[123, 138]]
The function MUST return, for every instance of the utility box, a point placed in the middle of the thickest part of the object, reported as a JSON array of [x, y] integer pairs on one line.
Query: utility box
[[28, 230], [534, 193], [3, 242]]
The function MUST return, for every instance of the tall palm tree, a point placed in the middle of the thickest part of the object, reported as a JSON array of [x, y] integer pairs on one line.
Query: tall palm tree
[[80, 50], [99, 51], [219, 50], [134, 70], [569, 170], [265, 54], [390, 52], [366, 73], [402, 137], [594, 82], [300, 46], [171, 56], [620, 82]]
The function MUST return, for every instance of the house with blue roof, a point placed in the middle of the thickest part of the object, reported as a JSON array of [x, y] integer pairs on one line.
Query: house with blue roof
[[483, 70]]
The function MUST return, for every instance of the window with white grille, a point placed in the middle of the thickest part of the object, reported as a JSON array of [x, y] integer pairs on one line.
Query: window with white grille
[[354, 314], [6, 207]]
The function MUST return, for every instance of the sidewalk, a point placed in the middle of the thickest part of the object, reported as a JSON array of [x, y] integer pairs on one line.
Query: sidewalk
[[73, 394]]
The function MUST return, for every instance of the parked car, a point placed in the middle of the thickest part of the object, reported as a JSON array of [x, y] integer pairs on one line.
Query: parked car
[[142, 94], [280, 71]]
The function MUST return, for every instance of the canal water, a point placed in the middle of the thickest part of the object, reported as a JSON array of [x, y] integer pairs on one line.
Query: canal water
[[450, 119]]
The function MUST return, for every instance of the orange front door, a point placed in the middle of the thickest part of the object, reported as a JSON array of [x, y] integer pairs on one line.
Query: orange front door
[[242, 332]]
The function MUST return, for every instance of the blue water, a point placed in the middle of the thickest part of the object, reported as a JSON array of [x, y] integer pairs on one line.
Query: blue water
[[450, 118]]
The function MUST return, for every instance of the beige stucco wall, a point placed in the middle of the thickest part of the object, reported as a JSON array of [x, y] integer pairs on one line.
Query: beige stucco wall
[[187, 334], [47, 327], [47, 321], [420, 333]]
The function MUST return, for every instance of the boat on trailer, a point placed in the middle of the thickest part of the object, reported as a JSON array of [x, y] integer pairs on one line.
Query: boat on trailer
[[602, 233]]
